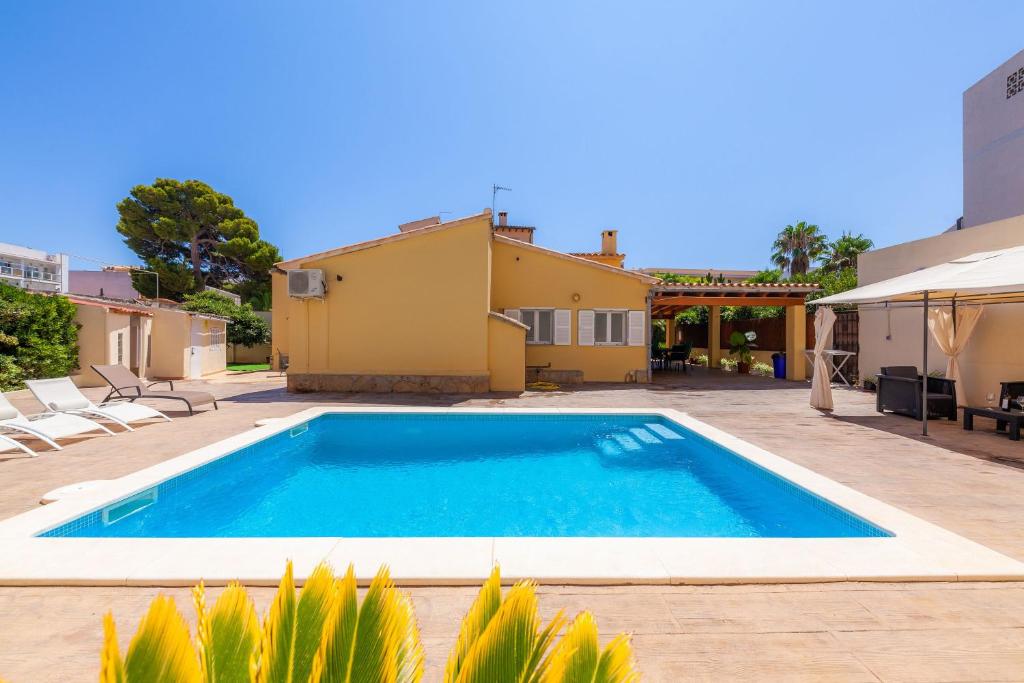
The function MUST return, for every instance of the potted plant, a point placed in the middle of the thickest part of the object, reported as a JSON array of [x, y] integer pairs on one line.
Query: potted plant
[[740, 345]]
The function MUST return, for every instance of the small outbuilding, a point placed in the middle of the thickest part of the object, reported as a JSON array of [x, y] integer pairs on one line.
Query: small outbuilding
[[155, 343]]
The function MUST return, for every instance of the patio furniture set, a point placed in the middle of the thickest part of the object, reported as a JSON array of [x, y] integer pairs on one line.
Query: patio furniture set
[[900, 390], [675, 358], [70, 413]]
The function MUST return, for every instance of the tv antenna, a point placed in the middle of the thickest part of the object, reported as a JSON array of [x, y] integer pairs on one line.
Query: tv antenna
[[494, 195]]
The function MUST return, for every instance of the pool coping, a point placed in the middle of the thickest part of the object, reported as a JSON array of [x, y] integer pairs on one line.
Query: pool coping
[[917, 551]]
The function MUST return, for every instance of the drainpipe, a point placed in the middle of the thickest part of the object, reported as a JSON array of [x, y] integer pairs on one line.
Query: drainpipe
[[649, 336]]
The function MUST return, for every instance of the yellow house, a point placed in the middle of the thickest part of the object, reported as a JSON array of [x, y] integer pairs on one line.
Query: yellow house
[[461, 306], [157, 343]]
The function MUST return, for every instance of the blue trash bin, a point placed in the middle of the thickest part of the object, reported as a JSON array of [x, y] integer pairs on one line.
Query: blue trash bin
[[779, 365]]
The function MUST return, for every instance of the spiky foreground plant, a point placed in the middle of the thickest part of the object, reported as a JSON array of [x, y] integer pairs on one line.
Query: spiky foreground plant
[[501, 640], [324, 634]]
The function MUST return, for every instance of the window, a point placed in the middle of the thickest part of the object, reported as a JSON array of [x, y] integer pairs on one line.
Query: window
[[610, 327], [541, 324], [120, 348]]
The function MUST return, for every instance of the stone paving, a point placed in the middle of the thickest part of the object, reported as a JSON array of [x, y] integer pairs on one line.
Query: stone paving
[[971, 483]]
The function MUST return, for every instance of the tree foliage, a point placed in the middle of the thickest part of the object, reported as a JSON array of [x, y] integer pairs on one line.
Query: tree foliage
[[193, 237], [842, 253], [798, 246], [38, 336], [679, 278], [245, 327], [833, 283]]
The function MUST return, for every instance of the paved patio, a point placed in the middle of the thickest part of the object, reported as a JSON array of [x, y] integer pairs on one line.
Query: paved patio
[[969, 483]]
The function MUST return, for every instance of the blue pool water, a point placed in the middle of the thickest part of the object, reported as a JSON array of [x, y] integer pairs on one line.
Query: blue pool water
[[476, 475]]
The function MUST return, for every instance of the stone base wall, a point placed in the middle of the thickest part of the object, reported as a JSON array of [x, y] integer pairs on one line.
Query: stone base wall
[[386, 384], [556, 376]]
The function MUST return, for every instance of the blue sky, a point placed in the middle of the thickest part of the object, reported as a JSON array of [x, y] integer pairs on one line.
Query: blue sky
[[696, 129]]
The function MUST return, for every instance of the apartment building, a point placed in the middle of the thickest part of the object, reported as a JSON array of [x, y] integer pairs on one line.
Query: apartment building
[[33, 269]]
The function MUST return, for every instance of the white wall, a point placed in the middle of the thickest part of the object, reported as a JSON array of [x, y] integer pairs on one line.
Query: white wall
[[994, 146]]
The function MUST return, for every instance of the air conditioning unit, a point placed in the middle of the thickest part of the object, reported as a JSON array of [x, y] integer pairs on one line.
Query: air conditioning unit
[[304, 284]]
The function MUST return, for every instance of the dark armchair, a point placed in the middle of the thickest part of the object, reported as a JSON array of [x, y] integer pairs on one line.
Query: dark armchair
[[679, 353], [1010, 394], [899, 390]]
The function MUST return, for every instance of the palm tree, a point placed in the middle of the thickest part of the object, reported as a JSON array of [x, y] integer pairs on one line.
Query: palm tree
[[797, 246], [843, 252]]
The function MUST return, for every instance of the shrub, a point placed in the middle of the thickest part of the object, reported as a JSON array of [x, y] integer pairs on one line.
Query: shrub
[[762, 369], [326, 634], [728, 364], [245, 327], [702, 359], [38, 336]]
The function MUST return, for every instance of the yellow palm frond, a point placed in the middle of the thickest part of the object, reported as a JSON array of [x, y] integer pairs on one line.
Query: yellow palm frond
[[387, 644], [334, 658], [227, 635], [510, 648], [316, 601], [576, 658], [617, 664], [293, 628], [274, 660], [111, 666], [480, 614], [162, 647], [406, 647]]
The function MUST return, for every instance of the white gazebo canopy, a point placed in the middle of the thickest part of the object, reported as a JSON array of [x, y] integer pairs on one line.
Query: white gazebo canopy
[[984, 277], [988, 276]]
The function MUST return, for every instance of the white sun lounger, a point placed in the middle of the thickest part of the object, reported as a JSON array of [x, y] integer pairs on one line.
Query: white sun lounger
[[8, 441], [62, 396], [47, 427]]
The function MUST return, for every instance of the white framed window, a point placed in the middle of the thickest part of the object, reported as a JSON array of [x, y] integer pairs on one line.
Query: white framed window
[[541, 322], [610, 328]]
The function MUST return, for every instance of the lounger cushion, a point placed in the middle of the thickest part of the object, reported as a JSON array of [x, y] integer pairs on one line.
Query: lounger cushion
[[69, 404], [8, 412]]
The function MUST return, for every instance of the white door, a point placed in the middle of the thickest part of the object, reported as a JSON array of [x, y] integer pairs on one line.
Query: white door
[[195, 361]]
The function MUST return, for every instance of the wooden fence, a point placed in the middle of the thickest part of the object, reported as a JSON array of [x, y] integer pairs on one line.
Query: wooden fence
[[771, 336], [771, 333]]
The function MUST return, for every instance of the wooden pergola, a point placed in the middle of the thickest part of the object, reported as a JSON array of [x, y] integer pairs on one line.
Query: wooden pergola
[[669, 299]]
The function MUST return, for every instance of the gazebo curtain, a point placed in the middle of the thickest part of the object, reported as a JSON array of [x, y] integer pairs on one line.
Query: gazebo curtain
[[952, 339], [821, 383]]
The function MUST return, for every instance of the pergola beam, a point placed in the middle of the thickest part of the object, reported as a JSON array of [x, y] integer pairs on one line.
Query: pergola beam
[[737, 300]]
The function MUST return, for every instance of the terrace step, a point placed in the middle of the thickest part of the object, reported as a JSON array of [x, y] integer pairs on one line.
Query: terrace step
[[644, 435], [663, 431]]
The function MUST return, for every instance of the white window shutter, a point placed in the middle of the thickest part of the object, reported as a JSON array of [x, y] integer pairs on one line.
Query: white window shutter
[[637, 328], [585, 333], [514, 314], [563, 327]]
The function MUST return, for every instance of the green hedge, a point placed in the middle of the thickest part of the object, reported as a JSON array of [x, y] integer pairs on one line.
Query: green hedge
[[38, 337]]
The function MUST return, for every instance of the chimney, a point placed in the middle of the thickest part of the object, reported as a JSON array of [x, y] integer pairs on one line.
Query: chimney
[[503, 218], [609, 242]]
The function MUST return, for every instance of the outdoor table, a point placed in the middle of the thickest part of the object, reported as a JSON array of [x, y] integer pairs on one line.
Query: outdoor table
[[830, 357], [1002, 417]]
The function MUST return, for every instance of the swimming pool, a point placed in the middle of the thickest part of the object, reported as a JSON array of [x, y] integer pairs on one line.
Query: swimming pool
[[539, 479], [476, 475]]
